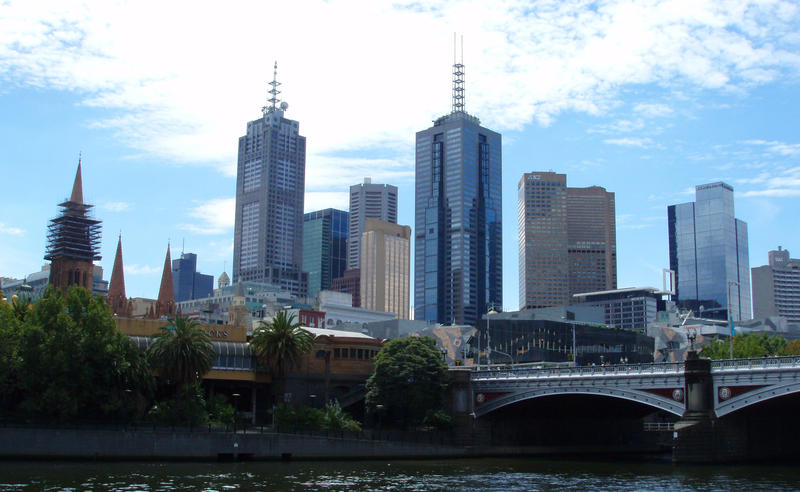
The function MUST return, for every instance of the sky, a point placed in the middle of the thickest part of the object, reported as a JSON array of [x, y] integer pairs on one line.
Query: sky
[[644, 98]]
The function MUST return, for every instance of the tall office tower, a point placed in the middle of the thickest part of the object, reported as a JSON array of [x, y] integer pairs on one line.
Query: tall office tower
[[458, 270], [270, 186], [73, 240], [324, 247], [187, 282], [368, 200], [543, 240], [567, 240], [708, 253], [776, 287], [591, 240], [385, 267]]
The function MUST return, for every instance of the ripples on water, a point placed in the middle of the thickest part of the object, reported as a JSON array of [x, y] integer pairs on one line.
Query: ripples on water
[[453, 475]]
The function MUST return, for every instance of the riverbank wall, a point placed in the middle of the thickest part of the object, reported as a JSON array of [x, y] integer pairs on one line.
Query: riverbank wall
[[159, 444]]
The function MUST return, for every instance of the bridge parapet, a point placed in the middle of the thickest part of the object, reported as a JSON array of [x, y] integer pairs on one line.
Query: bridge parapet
[[761, 363], [538, 373]]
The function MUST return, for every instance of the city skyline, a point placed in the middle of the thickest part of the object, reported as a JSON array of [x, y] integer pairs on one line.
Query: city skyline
[[613, 98]]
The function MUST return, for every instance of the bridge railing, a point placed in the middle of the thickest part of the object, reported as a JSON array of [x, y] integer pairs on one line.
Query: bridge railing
[[532, 372], [728, 365]]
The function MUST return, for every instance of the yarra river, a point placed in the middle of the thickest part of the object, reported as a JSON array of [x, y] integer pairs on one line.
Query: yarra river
[[451, 475]]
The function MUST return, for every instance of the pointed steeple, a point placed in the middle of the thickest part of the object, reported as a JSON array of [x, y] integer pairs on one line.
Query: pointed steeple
[[116, 288], [77, 187], [165, 305]]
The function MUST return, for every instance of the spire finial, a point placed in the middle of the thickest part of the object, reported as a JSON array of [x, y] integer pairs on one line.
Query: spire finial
[[273, 92], [77, 186], [458, 77]]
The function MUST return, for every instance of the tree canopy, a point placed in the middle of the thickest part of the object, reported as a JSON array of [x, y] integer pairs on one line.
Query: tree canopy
[[409, 379], [281, 343], [63, 360], [750, 346], [182, 352]]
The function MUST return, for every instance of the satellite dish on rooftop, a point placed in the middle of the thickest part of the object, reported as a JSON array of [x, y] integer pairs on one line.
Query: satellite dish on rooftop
[[284, 105]]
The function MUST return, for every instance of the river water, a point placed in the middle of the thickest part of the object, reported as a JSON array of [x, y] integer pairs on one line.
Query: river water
[[451, 475]]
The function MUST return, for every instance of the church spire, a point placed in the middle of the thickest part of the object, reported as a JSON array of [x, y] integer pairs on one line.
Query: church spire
[[165, 305], [77, 186], [116, 288]]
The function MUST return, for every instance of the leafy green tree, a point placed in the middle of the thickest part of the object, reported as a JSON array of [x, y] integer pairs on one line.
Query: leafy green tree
[[280, 343], [70, 363], [409, 379], [182, 352], [791, 348], [336, 419], [746, 346]]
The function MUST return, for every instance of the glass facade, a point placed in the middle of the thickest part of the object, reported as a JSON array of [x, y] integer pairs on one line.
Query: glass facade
[[458, 221], [324, 247], [187, 282], [709, 254]]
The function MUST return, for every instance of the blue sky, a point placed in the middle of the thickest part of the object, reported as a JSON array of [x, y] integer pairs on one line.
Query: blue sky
[[647, 99]]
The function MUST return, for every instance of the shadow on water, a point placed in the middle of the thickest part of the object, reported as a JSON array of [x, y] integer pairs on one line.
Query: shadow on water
[[469, 475]]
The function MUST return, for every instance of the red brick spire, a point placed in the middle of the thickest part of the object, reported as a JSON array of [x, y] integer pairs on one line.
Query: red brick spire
[[116, 289], [165, 305]]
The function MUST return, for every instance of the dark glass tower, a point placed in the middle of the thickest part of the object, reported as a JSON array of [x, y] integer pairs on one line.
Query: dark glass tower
[[709, 254], [458, 222], [270, 186], [73, 241], [324, 247]]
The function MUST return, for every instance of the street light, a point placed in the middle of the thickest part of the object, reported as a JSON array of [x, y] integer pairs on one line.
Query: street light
[[730, 316], [488, 337], [235, 410]]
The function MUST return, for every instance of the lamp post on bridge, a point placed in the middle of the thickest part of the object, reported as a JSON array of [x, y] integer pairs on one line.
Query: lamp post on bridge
[[488, 337], [730, 316]]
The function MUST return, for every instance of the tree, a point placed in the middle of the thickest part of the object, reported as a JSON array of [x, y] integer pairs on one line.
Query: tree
[[746, 346], [409, 379], [182, 352], [70, 363], [280, 343], [791, 348]]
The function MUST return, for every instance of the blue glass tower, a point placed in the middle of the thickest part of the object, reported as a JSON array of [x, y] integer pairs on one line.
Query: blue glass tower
[[458, 222], [709, 254], [324, 247]]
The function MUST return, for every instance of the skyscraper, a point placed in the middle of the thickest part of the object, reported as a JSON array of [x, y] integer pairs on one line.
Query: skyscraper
[[368, 200], [187, 282], [567, 240], [385, 267], [776, 287], [458, 221], [270, 186], [324, 247], [708, 253]]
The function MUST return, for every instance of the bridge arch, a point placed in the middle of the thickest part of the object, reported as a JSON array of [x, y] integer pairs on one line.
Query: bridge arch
[[756, 396], [649, 399]]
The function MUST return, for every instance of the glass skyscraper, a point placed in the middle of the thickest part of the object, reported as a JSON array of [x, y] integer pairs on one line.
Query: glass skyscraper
[[324, 247], [708, 253], [458, 221], [270, 187]]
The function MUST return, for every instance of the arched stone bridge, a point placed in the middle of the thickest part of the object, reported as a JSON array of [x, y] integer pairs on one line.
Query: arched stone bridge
[[736, 383]]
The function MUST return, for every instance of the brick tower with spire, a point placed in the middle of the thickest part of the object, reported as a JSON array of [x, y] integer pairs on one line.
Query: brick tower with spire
[[73, 240], [165, 304], [120, 304]]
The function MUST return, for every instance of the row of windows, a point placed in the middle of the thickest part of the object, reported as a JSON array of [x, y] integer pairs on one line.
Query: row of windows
[[354, 354]]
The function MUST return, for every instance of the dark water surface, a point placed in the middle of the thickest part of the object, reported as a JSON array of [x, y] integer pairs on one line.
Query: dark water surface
[[457, 475]]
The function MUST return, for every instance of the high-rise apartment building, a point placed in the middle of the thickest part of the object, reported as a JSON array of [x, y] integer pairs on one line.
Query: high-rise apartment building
[[567, 240], [270, 187], [458, 217], [187, 282], [368, 200], [776, 287], [324, 247], [709, 254], [386, 267]]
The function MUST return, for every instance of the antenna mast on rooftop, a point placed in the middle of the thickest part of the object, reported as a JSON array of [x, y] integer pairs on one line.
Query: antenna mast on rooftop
[[273, 92], [458, 77]]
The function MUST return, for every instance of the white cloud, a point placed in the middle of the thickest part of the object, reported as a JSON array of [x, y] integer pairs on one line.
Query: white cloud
[[643, 143], [13, 231], [117, 206], [215, 216], [135, 269], [354, 77], [653, 110], [776, 147]]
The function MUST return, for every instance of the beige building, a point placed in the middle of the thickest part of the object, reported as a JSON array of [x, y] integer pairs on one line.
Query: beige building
[[385, 267]]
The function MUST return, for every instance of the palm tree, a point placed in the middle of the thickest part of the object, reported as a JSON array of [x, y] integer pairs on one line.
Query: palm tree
[[281, 342], [182, 352]]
